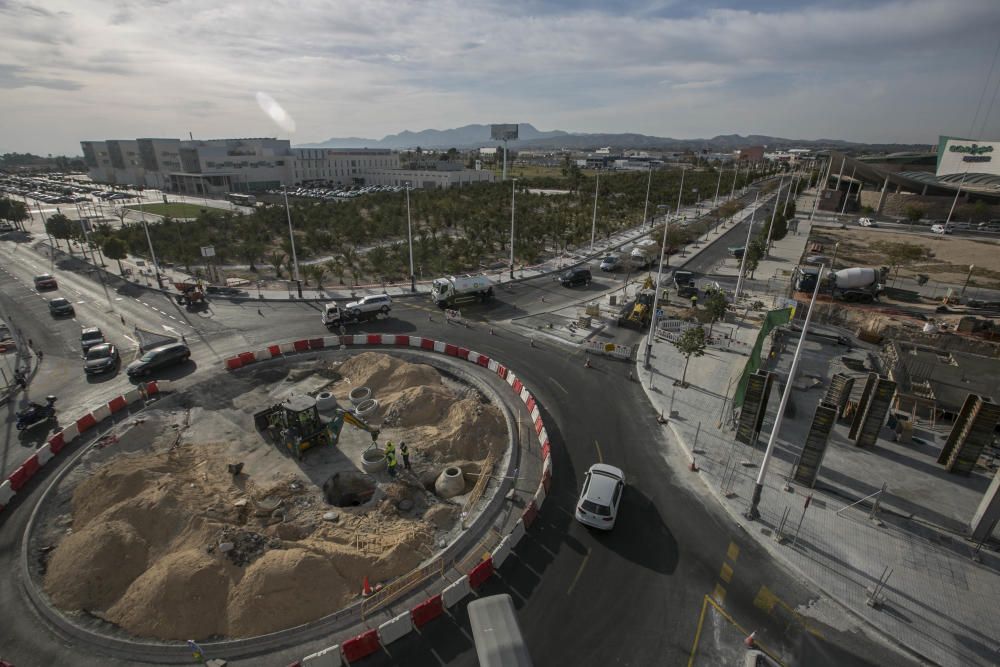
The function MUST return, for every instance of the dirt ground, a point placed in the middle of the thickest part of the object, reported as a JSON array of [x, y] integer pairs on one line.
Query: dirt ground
[[163, 541], [949, 263]]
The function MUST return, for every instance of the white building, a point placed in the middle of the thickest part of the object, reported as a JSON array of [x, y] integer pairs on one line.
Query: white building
[[340, 166], [429, 179]]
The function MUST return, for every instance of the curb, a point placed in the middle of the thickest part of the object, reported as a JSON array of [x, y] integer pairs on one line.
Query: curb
[[56, 443]]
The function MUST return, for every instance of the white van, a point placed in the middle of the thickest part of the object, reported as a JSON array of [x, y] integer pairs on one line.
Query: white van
[[945, 228]]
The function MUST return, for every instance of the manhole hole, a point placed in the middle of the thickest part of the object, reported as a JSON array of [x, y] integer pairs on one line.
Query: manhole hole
[[348, 489]]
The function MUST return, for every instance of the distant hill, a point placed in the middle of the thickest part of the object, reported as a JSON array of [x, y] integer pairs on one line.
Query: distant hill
[[474, 136]]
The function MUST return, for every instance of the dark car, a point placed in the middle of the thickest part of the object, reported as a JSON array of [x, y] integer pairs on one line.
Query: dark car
[[101, 359], [61, 306], [578, 276], [45, 281], [158, 357], [90, 337]]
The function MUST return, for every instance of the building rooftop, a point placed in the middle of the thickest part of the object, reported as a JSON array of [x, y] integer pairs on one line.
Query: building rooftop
[[951, 375]]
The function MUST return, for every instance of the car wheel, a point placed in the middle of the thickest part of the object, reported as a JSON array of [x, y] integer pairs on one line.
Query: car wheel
[[384, 310], [355, 313]]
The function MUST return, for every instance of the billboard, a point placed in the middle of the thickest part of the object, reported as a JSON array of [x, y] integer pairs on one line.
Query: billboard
[[504, 132], [958, 156]]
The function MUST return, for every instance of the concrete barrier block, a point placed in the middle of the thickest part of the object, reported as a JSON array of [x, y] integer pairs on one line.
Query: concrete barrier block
[[511, 378], [547, 466], [388, 339], [535, 414], [517, 533], [501, 552], [6, 493], [70, 433], [328, 657], [439, 346], [356, 339], [473, 357], [396, 628], [525, 395], [543, 437], [44, 454], [133, 396], [101, 413], [453, 594], [262, 355], [331, 341], [539, 496], [287, 348], [493, 366], [415, 341]]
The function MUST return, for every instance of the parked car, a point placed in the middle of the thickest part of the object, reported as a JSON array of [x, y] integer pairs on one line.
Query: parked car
[[577, 276], [610, 263], [603, 487], [376, 303], [60, 306], [90, 337], [101, 359], [157, 358], [946, 228], [45, 281]]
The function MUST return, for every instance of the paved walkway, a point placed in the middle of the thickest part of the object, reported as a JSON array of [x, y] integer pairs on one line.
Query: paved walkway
[[939, 603]]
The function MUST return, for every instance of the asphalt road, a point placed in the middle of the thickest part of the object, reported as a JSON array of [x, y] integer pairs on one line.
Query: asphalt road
[[634, 596]]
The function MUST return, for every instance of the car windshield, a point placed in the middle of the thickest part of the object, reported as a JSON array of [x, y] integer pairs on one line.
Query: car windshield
[[149, 356], [99, 352], [92, 335], [59, 302], [594, 508]]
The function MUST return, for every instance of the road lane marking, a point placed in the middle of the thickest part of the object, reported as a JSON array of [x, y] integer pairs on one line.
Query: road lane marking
[[600, 459], [726, 574], [578, 572], [559, 385], [733, 552]]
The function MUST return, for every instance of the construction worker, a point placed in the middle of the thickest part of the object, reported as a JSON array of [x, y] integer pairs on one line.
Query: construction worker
[[694, 300], [390, 449], [405, 452], [390, 461]]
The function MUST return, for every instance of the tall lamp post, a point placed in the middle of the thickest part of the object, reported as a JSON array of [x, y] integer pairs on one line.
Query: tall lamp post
[[513, 189], [680, 191], [746, 251], [753, 513], [593, 224], [291, 236], [149, 240], [409, 233], [736, 172], [645, 209], [715, 203], [656, 291]]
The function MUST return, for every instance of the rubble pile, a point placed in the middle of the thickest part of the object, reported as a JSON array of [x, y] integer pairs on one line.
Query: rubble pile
[[242, 547]]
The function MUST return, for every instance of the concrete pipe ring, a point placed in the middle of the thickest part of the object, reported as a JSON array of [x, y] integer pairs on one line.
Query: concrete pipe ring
[[325, 401], [366, 407], [359, 395], [373, 460], [450, 482]]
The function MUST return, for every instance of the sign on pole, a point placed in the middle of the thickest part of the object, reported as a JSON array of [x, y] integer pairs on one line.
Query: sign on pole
[[208, 251], [503, 132]]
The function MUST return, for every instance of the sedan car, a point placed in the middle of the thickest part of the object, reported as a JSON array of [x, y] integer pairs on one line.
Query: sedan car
[[90, 337], [375, 303], [157, 358], [101, 359], [45, 281], [59, 307], [610, 263], [577, 276], [603, 486]]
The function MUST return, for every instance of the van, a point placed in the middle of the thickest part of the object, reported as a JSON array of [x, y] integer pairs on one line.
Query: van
[[577, 276], [946, 228]]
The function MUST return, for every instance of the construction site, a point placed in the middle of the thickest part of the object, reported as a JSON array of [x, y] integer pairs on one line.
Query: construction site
[[271, 488]]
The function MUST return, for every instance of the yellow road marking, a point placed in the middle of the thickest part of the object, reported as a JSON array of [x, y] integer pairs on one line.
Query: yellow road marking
[[578, 572], [600, 459], [733, 552], [765, 599], [697, 632], [726, 574], [701, 621], [719, 594]]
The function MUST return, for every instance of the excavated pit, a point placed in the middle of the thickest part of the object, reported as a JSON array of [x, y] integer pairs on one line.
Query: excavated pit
[[346, 489]]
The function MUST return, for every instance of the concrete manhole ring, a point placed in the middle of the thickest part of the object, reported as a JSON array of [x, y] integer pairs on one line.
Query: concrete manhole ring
[[359, 395], [366, 407]]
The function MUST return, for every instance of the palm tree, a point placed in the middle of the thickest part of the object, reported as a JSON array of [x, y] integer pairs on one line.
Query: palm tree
[[277, 260]]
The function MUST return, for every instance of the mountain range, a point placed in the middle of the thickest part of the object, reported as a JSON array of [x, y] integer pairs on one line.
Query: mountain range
[[478, 135]]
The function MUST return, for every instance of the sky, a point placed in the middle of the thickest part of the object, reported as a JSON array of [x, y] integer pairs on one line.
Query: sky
[[900, 71]]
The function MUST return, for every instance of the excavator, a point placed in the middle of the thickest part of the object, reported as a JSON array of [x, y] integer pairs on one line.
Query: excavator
[[637, 313], [299, 425]]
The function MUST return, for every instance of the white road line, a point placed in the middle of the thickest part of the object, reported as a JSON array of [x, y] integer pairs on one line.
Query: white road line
[[171, 317]]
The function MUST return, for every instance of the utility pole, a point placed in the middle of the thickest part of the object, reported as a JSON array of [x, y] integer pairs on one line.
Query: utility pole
[[774, 213], [513, 189], [656, 296], [967, 279], [645, 209], [753, 513], [291, 236], [957, 194], [715, 203], [746, 250], [149, 240], [409, 233], [736, 172], [593, 224], [680, 191], [847, 196]]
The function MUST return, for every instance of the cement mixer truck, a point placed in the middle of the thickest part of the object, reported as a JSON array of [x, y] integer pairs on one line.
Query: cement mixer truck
[[855, 284], [452, 290]]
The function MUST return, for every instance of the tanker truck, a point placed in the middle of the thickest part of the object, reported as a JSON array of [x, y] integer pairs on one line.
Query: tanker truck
[[853, 284], [452, 290]]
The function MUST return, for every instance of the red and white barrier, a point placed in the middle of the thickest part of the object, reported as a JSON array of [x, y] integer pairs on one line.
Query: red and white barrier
[[55, 444], [426, 611]]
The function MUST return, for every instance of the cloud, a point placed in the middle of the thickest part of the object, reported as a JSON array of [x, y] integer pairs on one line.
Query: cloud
[[366, 69]]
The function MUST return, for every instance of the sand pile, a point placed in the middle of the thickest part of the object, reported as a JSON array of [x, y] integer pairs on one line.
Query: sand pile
[[385, 374]]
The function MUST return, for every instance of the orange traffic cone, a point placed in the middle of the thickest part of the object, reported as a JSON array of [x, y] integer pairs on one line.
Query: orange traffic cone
[[586, 364], [366, 589], [693, 466], [750, 641]]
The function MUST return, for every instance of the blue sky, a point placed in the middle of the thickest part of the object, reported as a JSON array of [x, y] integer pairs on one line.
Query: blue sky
[[877, 71]]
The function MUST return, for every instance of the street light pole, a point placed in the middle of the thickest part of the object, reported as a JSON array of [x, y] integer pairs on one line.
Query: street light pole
[[774, 213], [149, 240], [715, 203], [645, 209], [746, 250], [656, 294], [957, 194], [967, 279], [753, 513], [593, 224], [847, 196], [680, 191], [291, 236], [513, 187], [791, 189], [409, 233], [736, 173]]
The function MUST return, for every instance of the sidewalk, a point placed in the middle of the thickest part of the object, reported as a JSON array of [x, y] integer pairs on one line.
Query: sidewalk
[[939, 604]]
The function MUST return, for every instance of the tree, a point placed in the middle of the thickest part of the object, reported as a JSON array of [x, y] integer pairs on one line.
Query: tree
[[15, 211], [715, 305], [115, 248], [755, 252], [691, 343], [913, 213], [58, 226], [901, 254], [277, 260]]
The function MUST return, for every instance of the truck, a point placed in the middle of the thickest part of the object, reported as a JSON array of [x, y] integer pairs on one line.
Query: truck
[[643, 254], [685, 284], [335, 316], [855, 284], [452, 290]]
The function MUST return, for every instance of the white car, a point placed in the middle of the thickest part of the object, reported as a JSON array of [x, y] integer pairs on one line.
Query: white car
[[867, 222], [610, 263], [603, 486], [376, 303], [946, 228]]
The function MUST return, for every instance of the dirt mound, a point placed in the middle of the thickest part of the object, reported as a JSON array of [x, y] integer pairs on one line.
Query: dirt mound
[[418, 406], [470, 430], [111, 554], [295, 586], [184, 595], [385, 374]]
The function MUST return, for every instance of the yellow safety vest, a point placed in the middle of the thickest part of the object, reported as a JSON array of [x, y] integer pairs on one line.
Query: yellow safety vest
[[390, 459]]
